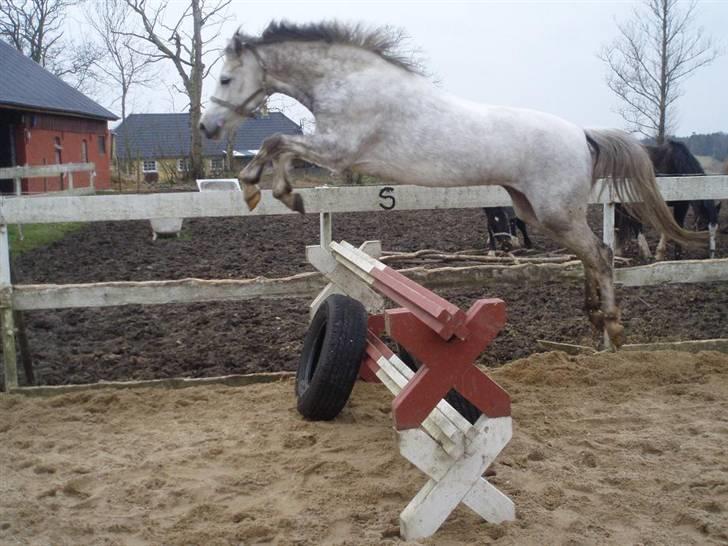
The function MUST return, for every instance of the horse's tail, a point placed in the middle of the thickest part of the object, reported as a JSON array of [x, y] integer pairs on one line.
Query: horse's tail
[[621, 158]]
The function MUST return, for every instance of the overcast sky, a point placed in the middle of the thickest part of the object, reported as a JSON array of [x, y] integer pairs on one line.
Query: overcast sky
[[534, 54]]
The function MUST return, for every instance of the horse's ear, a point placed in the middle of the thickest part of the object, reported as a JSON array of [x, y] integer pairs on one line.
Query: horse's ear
[[238, 43], [235, 47]]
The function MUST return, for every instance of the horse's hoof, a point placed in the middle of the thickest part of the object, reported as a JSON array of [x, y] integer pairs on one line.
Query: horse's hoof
[[251, 194], [253, 201], [615, 331], [298, 203]]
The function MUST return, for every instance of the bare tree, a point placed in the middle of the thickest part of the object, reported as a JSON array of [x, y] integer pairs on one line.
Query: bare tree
[[654, 53], [128, 59], [35, 27], [184, 44]]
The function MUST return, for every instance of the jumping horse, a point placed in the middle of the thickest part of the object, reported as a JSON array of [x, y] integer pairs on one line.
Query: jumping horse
[[378, 115], [672, 158]]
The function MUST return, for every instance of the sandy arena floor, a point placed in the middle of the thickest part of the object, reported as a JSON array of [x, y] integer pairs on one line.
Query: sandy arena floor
[[607, 449]]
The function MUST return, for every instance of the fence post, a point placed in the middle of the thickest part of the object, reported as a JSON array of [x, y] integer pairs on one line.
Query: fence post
[[70, 181], [326, 229], [609, 240], [18, 183], [7, 332]]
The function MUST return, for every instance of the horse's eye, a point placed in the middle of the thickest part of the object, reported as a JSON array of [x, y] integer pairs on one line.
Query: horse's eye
[[225, 81]]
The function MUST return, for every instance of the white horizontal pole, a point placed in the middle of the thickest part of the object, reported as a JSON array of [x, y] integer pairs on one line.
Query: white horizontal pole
[[27, 297], [230, 203], [30, 297], [684, 271], [317, 200]]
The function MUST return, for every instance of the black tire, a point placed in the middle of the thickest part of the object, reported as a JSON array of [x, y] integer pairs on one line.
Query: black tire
[[331, 357], [454, 398]]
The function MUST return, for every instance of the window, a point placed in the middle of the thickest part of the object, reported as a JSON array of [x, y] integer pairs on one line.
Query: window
[[183, 165], [84, 151], [102, 144], [149, 166], [216, 163]]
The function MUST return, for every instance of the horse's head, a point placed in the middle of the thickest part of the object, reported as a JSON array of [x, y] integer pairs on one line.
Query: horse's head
[[240, 90], [501, 225]]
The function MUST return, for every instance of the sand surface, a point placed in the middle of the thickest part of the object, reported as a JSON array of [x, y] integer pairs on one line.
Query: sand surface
[[607, 449]]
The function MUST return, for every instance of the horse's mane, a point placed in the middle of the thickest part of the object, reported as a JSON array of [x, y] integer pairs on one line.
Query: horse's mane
[[674, 158], [683, 161], [384, 41]]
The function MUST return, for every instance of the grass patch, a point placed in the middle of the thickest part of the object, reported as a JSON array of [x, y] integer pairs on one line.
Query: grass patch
[[39, 235]]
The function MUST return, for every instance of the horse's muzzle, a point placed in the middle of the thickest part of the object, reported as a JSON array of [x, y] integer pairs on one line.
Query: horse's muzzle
[[210, 132]]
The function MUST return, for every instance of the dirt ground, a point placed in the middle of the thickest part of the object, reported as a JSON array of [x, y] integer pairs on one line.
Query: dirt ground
[[134, 342], [607, 449]]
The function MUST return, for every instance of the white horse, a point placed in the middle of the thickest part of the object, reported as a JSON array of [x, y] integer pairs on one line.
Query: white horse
[[375, 114]]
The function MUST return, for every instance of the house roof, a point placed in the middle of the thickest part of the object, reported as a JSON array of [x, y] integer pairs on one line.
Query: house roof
[[152, 136], [27, 85]]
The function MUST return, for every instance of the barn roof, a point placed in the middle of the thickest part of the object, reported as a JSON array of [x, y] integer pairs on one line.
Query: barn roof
[[154, 136], [26, 85]]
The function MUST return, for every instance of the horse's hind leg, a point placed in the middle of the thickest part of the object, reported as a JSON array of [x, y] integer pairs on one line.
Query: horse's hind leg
[[573, 231], [521, 225], [600, 300]]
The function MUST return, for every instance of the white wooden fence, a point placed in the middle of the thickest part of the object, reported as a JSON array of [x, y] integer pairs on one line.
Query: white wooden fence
[[43, 171], [325, 201]]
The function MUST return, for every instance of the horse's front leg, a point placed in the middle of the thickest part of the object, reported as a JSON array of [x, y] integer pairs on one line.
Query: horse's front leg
[[320, 150], [282, 188], [250, 174]]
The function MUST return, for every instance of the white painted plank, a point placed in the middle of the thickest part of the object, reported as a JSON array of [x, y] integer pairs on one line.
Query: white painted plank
[[692, 346], [40, 171], [373, 248], [30, 297], [452, 444], [317, 200], [401, 375], [359, 264], [452, 416], [345, 281], [684, 271], [483, 498], [446, 432], [33, 297], [437, 499]]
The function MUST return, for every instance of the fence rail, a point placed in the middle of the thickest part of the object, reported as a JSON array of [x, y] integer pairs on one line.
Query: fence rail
[[326, 201], [19, 172], [317, 200]]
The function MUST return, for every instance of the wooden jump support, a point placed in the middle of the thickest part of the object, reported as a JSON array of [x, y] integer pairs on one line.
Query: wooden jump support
[[432, 435]]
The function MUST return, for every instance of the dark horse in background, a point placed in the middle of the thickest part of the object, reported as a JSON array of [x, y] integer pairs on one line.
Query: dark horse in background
[[502, 225], [672, 158]]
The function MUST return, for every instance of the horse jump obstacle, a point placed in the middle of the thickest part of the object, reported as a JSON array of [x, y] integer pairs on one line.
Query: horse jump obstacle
[[432, 434]]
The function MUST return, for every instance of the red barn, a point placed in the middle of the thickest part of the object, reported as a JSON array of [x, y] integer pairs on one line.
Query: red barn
[[45, 121]]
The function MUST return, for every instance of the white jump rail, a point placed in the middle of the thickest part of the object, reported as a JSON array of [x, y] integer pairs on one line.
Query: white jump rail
[[324, 201]]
